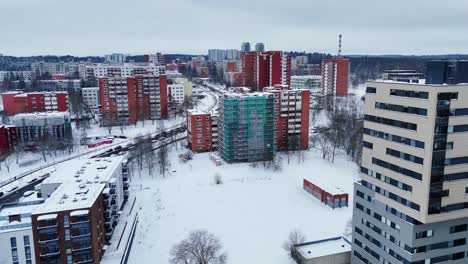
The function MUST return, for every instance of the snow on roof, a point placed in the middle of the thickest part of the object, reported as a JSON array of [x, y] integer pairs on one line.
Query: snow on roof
[[39, 119], [328, 183], [418, 84], [196, 112], [47, 217], [325, 247], [80, 182], [79, 212]]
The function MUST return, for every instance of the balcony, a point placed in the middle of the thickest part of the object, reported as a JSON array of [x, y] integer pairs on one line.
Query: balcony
[[48, 237], [48, 252]]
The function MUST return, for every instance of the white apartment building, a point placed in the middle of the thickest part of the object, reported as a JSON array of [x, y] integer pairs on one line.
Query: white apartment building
[[16, 238], [53, 68], [100, 70], [91, 96], [309, 82], [26, 75], [177, 92], [115, 58]]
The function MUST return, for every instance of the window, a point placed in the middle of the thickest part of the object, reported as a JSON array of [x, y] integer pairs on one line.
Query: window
[[458, 228], [371, 90], [401, 108], [411, 94], [67, 234], [390, 122], [424, 234], [66, 221], [368, 145], [13, 242], [404, 156], [394, 138], [398, 169], [26, 240]]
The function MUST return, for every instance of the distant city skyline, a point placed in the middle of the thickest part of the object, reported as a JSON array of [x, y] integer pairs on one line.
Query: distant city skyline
[[82, 28]]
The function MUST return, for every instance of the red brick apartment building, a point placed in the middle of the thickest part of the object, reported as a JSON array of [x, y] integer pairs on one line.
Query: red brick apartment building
[[19, 102], [335, 76], [291, 117], [202, 131], [129, 99], [8, 137], [263, 69]]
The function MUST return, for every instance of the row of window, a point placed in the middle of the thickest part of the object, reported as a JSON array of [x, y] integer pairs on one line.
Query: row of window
[[410, 94], [387, 179], [391, 122], [401, 108], [367, 144], [405, 156], [378, 217], [394, 138], [398, 169], [456, 161], [392, 196], [381, 246]]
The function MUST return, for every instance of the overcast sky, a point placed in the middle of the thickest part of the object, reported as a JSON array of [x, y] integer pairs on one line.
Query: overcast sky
[[97, 27]]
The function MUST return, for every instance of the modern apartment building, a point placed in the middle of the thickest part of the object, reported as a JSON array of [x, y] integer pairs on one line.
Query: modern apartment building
[[409, 76], [247, 127], [335, 76], [91, 97], [411, 205], [262, 69], [129, 99], [291, 117], [16, 238], [19, 102], [80, 210], [202, 131], [449, 72]]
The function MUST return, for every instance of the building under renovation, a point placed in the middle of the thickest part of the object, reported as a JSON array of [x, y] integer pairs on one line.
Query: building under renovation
[[247, 127]]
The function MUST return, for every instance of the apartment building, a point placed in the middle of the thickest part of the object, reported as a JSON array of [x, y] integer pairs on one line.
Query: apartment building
[[19, 102], [411, 205], [202, 131], [8, 138], [409, 76], [36, 126], [247, 127], [311, 82], [25, 75], [129, 99], [291, 117], [16, 237], [176, 93], [115, 58], [80, 210], [449, 72], [335, 76], [91, 96], [101, 70], [259, 47], [54, 68], [59, 85], [262, 69], [157, 58]]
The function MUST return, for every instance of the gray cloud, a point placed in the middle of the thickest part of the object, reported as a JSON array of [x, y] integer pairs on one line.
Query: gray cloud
[[96, 27]]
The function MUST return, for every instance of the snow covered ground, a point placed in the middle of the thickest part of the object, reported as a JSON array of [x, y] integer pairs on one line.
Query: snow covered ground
[[252, 212]]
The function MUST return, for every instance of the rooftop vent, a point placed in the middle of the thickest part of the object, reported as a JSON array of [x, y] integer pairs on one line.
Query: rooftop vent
[[75, 200]]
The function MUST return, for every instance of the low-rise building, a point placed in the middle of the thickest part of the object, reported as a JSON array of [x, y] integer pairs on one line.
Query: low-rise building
[[18, 102], [310, 82], [38, 126], [409, 76], [335, 250]]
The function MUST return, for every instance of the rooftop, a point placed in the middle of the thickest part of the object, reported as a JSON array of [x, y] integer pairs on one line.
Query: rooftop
[[325, 247], [22, 209], [79, 182], [329, 183], [417, 84]]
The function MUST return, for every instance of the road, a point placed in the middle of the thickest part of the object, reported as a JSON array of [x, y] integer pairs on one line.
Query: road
[[113, 149]]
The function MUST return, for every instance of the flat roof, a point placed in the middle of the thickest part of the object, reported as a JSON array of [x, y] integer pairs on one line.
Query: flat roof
[[80, 182], [328, 183], [417, 84], [325, 247]]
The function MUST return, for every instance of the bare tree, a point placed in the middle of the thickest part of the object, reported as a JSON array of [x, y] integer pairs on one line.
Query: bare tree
[[200, 247], [323, 143], [295, 237], [218, 179], [7, 162], [163, 160]]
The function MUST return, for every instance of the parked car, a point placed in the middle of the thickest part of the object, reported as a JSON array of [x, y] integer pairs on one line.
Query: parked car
[[31, 180]]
